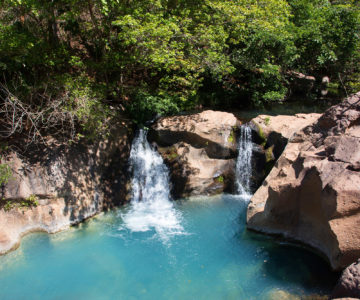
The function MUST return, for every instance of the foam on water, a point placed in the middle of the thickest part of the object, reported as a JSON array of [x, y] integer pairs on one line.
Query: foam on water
[[151, 208]]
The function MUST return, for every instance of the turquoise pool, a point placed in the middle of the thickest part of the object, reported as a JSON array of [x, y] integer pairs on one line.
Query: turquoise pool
[[207, 254]]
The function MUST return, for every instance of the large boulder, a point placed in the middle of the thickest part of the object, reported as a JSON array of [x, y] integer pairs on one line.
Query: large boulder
[[349, 283], [70, 183], [312, 195], [200, 150], [270, 137]]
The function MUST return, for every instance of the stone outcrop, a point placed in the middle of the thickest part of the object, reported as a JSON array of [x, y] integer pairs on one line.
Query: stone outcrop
[[276, 130], [349, 283], [302, 84], [200, 150], [312, 195], [271, 134], [70, 183]]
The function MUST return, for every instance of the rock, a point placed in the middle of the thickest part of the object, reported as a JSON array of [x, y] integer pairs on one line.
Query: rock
[[271, 133], [200, 150], [312, 195], [301, 84], [349, 283], [48, 218], [210, 130], [347, 298], [277, 294], [276, 130], [70, 183]]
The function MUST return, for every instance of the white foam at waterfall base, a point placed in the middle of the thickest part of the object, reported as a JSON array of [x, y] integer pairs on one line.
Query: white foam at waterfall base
[[150, 208], [243, 163]]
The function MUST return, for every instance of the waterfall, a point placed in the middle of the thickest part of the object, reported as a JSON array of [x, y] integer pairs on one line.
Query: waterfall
[[243, 163], [150, 208]]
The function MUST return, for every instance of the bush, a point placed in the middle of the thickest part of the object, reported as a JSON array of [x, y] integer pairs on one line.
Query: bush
[[145, 107]]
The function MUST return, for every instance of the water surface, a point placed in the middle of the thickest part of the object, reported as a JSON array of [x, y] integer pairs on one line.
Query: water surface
[[211, 257]]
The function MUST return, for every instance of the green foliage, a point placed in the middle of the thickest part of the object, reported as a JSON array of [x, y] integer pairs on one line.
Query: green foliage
[[326, 35], [220, 179], [5, 173], [145, 107], [31, 201], [8, 205], [231, 138], [157, 57], [267, 121], [85, 105], [170, 154], [261, 135]]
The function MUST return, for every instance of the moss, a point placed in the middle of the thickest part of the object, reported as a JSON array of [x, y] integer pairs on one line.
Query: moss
[[267, 121], [220, 179], [231, 138], [8, 204], [32, 200], [172, 156], [269, 155], [168, 153], [5, 173], [269, 160], [261, 135]]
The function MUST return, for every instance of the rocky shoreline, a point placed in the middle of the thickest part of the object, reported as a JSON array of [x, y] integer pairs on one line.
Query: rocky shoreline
[[69, 183], [312, 194]]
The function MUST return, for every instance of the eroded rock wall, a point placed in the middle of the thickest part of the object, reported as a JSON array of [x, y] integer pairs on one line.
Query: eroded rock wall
[[70, 183], [270, 137], [312, 195]]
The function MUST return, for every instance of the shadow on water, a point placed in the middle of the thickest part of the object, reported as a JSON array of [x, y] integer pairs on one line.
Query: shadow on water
[[287, 263], [291, 264]]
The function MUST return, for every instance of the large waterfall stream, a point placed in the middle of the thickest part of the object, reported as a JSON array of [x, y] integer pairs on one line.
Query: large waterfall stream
[[151, 207]]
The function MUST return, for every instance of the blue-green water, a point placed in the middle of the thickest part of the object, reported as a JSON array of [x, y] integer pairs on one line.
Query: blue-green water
[[212, 257]]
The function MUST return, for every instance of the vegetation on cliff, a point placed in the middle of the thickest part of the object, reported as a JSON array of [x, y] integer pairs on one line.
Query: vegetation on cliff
[[68, 67]]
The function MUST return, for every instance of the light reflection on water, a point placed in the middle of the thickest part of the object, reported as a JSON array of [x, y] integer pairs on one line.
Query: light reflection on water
[[216, 258]]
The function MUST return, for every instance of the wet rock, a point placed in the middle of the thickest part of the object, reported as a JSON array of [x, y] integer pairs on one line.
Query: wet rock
[[277, 294], [349, 283]]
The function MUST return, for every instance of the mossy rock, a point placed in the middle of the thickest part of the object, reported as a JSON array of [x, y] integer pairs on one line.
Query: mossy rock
[[168, 153]]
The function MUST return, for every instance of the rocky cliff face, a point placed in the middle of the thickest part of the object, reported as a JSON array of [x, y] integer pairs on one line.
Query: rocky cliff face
[[200, 150], [271, 134], [71, 183], [312, 195]]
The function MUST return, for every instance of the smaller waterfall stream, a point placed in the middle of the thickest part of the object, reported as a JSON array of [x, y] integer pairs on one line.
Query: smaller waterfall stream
[[151, 207], [243, 163]]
